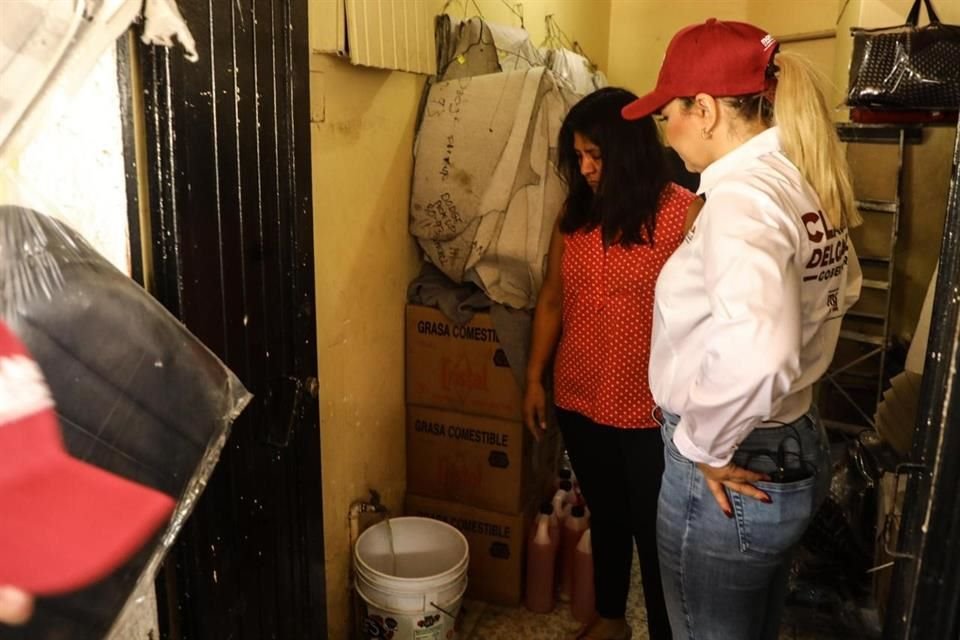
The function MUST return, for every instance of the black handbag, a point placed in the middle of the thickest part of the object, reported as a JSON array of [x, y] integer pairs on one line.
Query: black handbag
[[906, 67]]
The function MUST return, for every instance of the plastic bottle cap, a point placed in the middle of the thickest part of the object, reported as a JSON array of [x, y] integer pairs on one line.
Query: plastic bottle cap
[[564, 474], [566, 485], [546, 507], [578, 511]]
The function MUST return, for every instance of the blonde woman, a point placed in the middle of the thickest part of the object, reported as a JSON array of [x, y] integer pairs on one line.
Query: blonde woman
[[746, 319]]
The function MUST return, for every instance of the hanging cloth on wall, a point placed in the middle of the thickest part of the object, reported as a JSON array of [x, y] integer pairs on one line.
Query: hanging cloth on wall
[[33, 40], [515, 50], [485, 191], [576, 71], [162, 22], [465, 49], [477, 47], [48, 47], [566, 58]]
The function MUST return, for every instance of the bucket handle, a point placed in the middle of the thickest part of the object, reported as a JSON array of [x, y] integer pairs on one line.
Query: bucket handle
[[432, 601], [442, 610]]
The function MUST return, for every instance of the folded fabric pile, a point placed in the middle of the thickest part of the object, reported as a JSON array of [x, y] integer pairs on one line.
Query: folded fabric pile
[[486, 191]]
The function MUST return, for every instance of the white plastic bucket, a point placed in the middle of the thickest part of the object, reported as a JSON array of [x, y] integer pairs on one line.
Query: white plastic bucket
[[412, 588]]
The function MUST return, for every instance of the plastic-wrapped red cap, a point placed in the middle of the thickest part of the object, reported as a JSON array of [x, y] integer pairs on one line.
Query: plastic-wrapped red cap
[[65, 523], [717, 58]]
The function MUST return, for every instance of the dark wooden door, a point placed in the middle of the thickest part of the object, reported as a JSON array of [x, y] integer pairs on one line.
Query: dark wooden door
[[232, 248], [925, 590]]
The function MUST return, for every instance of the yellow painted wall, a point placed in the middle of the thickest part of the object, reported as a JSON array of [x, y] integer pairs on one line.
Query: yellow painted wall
[[641, 29], [885, 13], [926, 183], [587, 22], [804, 17], [849, 17], [362, 139]]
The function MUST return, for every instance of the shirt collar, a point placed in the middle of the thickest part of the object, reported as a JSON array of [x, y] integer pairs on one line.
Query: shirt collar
[[759, 145]]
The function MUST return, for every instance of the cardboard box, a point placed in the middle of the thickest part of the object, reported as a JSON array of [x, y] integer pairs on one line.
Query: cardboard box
[[484, 462], [459, 367], [497, 546]]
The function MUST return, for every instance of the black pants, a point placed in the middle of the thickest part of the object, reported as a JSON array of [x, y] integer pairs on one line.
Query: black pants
[[619, 472]]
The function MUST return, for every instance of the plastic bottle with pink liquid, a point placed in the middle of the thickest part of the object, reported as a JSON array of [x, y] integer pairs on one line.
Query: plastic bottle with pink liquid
[[561, 500], [541, 562], [583, 599], [573, 527]]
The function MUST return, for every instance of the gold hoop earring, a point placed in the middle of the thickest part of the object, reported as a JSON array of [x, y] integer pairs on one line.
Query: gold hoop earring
[[706, 135]]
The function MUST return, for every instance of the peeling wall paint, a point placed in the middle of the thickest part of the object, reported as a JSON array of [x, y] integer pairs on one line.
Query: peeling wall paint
[[73, 168]]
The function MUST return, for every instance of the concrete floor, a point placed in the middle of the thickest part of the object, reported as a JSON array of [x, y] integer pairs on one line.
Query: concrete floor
[[491, 622], [482, 621]]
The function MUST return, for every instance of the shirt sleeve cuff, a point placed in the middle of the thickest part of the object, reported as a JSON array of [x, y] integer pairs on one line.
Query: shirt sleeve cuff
[[690, 451]]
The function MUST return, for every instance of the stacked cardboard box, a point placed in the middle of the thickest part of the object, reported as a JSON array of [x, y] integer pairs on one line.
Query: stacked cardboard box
[[470, 461]]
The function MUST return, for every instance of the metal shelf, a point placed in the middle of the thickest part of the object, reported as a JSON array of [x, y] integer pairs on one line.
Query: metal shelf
[[865, 338], [867, 315], [845, 427], [880, 206], [879, 285], [855, 380], [864, 369], [880, 133]]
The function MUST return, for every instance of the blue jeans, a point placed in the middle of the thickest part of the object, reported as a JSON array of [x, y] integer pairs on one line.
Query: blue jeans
[[726, 578]]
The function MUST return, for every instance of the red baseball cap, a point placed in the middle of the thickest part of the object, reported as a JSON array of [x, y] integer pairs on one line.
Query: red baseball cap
[[717, 58], [65, 523]]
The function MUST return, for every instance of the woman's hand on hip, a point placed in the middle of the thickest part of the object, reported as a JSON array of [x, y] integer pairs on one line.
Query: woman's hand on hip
[[733, 478], [535, 409], [16, 606]]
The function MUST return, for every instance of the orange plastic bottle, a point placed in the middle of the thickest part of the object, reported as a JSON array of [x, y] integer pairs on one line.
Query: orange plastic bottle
[[583, 600], [541, 562], [573, 527], [561, 501]]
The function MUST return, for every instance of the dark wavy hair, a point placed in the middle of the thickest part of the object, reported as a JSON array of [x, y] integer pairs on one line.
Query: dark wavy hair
[[634, 171]]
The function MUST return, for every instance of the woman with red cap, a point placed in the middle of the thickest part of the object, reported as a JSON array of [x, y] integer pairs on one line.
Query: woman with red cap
[[747, 316]]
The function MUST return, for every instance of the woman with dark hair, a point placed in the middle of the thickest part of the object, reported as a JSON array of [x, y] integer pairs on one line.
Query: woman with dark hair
[[621, 221]]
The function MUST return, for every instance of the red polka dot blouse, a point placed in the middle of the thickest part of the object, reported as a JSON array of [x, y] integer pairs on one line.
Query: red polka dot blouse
[[604, 351]]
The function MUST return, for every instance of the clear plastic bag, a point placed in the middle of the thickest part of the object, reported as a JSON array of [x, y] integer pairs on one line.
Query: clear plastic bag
[[135, 392]]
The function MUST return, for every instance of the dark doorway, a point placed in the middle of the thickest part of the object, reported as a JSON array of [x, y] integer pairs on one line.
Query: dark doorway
[[228, 158], [925, 594]]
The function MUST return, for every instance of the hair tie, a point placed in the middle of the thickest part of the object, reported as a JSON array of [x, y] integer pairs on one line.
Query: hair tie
[[769, 92]]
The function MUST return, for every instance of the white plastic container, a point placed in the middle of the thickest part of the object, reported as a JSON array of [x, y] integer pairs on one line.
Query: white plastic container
[[412, 574]]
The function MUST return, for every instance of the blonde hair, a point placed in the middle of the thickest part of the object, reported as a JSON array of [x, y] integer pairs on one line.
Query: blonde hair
[[809, 138]]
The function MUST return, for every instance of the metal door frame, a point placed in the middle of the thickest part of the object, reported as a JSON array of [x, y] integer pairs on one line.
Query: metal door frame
[[231, 229], [925, 593]]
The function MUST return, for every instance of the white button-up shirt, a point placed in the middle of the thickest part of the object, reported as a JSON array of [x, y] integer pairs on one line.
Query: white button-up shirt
[[748, 309]]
